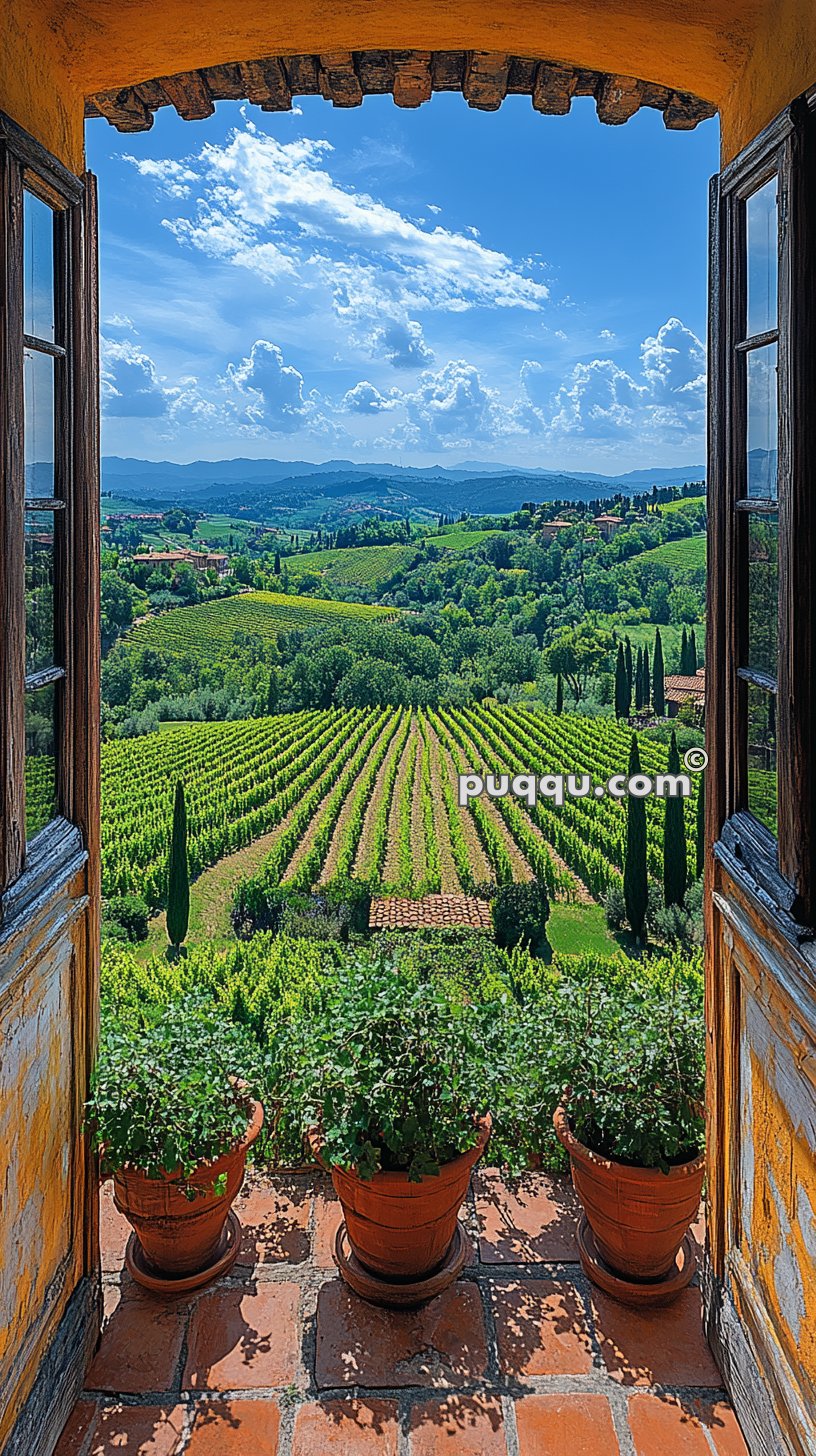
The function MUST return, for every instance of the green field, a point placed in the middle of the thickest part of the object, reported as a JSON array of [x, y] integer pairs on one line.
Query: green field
[[373, 792], [687, 554], [671, 508], [459, 539], [366, 566], [212, 626]]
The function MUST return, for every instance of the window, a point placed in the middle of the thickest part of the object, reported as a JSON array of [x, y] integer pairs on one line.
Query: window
[[46, 584], [762, 600]]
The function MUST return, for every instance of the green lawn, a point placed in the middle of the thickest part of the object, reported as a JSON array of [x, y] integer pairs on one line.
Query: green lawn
[[580, 929]]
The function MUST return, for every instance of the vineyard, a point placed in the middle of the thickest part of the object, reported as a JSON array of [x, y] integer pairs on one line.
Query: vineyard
[[366, 566], [213, 626], [686, 554], [373, 792]]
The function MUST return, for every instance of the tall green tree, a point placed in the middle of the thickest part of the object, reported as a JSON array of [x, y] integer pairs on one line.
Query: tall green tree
[[627, 652], [692, 651], [675, 869], [277, 566], [635, 876], [559, 694], [622, 698], [699, 828], [684, 653], [647, 679], [639, 680], [178, 875], [658, 678]]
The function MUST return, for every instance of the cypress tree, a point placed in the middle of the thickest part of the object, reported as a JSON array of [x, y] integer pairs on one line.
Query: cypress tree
[[559, 694], [647, 679], [178, 878], [699, 828], [692, 651], [277, 563], [621, 685], [635, 879], [675, 869], [658, 678], [639, 680]]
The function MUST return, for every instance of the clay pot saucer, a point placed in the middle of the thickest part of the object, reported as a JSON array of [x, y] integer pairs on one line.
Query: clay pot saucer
[[399, 1293], [638, 1294], [165, 1285]]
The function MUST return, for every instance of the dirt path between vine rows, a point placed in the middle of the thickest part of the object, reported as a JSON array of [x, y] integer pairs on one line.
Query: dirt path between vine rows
[[347, 810], [391, 868], [365, 848], [479, 863]]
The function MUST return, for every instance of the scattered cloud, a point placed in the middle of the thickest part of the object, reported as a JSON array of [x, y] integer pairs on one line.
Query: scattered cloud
[[173, 178], [452, 407], [401, 342], [366, 399], [269, 393], [119, 321], [130, 385]]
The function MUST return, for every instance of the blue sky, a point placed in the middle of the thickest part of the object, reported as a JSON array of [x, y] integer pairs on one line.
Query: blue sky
[[414, 286]]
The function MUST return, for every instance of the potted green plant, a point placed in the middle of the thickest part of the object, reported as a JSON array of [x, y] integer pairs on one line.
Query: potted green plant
[[173, 1114], [627, 1063], [389, 1079]]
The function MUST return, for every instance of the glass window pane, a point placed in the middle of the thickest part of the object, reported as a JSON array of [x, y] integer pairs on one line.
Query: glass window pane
[[763, 592], [41, 759], [763, 260], [38, 268], [762, 423], [39, 584], [762, 784], [39, 423]]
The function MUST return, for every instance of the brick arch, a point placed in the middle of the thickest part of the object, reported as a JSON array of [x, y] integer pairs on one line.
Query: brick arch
[[484, 78]]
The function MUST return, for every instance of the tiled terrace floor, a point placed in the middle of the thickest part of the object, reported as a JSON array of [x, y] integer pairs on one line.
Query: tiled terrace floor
[[520, 1358]]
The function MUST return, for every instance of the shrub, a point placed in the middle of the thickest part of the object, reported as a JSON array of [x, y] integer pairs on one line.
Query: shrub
[[353, 897], [126, 917], [520, 913], [164, 1095], [615, 906]]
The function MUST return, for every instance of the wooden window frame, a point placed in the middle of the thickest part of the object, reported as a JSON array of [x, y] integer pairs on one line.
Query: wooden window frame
[[30, 869], [778, 871]]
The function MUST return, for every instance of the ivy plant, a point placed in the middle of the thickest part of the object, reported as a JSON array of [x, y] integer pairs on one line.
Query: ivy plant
[[175, 1091]]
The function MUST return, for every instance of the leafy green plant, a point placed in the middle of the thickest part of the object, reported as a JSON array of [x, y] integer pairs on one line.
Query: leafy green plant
[[125, 918], [631, 1050], [175, 1091], [391, 1068], [520, 913]]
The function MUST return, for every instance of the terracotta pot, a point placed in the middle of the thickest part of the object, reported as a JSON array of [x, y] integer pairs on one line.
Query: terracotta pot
[[181, 1235], [398, 1229], [639, 1216]]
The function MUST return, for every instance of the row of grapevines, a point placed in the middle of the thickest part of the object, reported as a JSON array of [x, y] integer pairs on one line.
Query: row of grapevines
[[491, 840], [431, 882], [363, 789], [374, 866]]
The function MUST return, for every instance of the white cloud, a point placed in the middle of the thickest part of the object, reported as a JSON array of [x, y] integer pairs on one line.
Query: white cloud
[[173, 178], [608, 335], [130, 385], [452, 407], [269, 393], [401, 342], [119, 321], [275, 208], [600, 401], [366, 399], [432, 207]]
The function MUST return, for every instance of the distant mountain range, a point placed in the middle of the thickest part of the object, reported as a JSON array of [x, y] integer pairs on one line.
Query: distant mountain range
[[276, 485]]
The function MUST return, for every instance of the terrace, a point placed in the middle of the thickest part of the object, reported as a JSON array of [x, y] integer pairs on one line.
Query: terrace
[[520, 1357]]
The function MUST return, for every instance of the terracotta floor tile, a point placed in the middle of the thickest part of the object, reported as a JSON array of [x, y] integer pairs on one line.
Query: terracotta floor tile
[[349, 1427], [141, 1344], [76, 1428], [114, 1230], [661, 1424], [243, 1341], [328, 1215], [459, 1426], [440, 1345], [566, 1425], [655, 1347], [275, 1218], [235, 1428], [525, 1220], [722, 1426], [541, 1329], [139, 1430]]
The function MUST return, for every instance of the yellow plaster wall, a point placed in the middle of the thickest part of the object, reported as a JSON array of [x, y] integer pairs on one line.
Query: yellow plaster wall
[[746, 56]]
